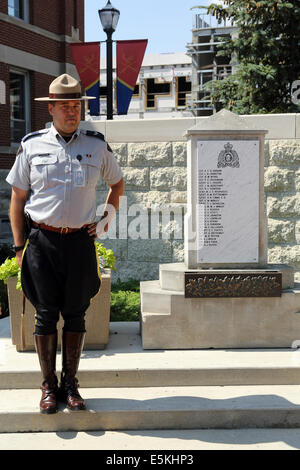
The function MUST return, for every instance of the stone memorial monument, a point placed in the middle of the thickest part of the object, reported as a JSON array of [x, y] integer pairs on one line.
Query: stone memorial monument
[[225, 294]]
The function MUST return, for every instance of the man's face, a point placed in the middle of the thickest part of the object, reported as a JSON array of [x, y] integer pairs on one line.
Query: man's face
[[66, 116]]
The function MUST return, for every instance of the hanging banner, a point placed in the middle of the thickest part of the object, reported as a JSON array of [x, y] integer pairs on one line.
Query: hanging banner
[[86, 57], [130, 55]]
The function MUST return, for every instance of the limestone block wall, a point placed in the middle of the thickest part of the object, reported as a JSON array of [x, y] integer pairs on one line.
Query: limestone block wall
[[150, 224], [282, 189], [155, 181]]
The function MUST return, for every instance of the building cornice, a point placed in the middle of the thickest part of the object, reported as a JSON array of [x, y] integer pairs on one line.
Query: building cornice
[[26, 61], [36, 29]]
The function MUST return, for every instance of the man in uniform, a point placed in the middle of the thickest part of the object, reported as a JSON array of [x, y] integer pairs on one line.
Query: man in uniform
[[54, 180]]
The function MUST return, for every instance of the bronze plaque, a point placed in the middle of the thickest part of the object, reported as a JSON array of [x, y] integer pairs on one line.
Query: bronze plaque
[[199, 285]]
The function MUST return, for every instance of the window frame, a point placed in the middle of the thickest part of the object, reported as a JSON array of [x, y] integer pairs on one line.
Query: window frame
[[25, 11], [2, 92], [27, 99], [179, 106], [137, 95], [156, 95]]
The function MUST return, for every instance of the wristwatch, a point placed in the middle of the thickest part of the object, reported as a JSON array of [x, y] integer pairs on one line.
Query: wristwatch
[[18, 248]]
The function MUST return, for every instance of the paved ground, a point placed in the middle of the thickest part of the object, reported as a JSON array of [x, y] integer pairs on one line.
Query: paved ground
[[241, 439]]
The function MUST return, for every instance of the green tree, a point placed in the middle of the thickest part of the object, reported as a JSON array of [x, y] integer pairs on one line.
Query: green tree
[[267, 51]]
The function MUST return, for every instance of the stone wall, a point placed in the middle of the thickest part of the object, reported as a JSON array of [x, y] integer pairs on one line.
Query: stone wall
[[155, 182], [282, 189], [149, 227]]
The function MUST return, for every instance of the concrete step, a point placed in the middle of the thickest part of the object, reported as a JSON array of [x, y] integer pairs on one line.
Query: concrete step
[[129, 388], [157, 408], [124, 363]]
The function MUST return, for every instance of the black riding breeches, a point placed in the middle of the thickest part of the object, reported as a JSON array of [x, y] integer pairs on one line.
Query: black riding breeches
[[60, 274]]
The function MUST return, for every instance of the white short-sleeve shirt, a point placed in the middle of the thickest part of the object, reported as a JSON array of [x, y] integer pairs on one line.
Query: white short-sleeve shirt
[[62, 177]]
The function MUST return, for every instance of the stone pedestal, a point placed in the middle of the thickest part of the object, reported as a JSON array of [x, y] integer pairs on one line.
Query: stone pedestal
[[169, 320], [225, 294]]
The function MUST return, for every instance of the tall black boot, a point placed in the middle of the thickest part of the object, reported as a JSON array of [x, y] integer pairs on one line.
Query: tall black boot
[[72, 344], [46, 346]]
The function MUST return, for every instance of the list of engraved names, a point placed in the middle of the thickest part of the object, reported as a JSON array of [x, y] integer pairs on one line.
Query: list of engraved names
[[227, 201], [212, 196]]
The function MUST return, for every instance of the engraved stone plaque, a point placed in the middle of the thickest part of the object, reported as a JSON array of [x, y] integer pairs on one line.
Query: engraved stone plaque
[[228, 201]]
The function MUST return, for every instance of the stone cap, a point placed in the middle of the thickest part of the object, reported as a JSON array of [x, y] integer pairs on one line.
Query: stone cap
[[224, 123]]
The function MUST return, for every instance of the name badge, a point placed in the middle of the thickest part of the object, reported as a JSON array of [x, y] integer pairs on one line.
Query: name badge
[[79, 178]]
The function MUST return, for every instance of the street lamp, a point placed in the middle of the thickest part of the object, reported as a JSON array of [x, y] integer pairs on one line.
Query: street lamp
[[109, 17]]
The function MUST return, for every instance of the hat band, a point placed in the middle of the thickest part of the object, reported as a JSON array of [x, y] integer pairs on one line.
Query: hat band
[[65, 96]]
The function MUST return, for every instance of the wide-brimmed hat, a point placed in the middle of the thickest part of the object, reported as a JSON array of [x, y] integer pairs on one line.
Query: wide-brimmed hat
[[65, 88]]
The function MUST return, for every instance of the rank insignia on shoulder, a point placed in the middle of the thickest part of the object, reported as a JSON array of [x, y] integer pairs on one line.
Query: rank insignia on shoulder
[[94, 134], [34, 134]]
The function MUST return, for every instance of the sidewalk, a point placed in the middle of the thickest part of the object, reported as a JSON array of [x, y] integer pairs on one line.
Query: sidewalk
[[211, 439]]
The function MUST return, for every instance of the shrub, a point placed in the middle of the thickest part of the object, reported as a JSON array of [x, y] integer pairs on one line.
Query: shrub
[[5, 252], [125, 301], [10, 268], [106, 256]]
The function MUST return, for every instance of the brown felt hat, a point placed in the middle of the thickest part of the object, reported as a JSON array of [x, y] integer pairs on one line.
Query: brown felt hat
[[65, 88]]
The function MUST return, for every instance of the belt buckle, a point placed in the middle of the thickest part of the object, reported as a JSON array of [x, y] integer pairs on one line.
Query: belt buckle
[[64, 230]]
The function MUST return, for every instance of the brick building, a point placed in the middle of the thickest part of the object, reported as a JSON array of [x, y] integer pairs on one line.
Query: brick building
[[34, 49]]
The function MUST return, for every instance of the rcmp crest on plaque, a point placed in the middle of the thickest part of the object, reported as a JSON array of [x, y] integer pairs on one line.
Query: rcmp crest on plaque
[[228, 157]]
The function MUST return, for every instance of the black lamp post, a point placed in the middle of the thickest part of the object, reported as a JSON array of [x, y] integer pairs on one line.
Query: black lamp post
[[109, 17]]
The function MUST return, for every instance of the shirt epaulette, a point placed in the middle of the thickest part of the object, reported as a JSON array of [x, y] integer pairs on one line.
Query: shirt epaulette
[[94, 134], [34, 134]]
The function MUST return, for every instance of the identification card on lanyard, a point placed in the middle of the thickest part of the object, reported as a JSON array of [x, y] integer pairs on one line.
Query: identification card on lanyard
[[79, 178]]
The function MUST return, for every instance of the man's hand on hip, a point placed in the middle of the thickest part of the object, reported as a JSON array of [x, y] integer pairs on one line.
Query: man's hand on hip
[[91, 228]]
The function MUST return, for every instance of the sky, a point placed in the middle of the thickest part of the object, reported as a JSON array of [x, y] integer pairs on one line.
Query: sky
[[166, 24]]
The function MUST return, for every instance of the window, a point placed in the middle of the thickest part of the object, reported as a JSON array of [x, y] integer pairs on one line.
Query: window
[[156, 89], [19, 105], [2, 92], [15, 8], [75, 16], [136, 92], [183, 88], [19, 9], [103, 91]]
